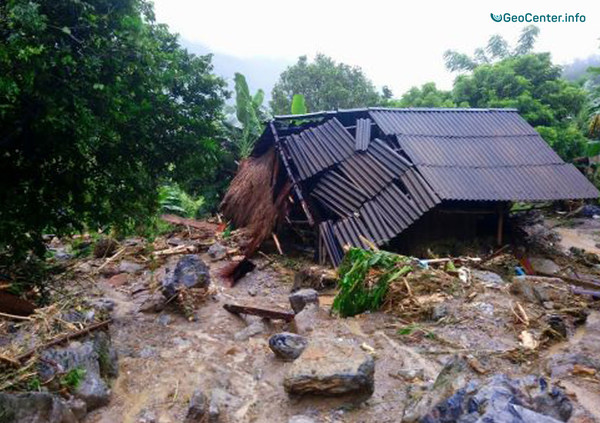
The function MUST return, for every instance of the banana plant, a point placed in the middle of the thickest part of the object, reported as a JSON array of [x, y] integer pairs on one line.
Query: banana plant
[[248, 111]]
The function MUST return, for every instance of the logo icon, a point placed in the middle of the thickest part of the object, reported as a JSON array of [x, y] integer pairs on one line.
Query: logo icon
[[496, 18]]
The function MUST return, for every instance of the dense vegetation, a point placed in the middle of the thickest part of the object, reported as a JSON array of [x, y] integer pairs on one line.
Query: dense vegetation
[[325, 85], [98, 105]]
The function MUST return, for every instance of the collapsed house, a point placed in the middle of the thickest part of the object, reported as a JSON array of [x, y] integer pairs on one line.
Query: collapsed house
[[387, 176]]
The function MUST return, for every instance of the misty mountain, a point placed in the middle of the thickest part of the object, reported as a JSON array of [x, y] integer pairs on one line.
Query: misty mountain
[[260, 72], [578, 68]]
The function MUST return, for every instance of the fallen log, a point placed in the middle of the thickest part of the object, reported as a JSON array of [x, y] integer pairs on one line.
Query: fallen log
[[192, 223], [573, 281], [61, 339], [261, 312]]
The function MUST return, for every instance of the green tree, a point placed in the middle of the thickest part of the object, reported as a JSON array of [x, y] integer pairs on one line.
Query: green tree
[[325, 84], [247, 126], [497, 49], [533, 85], [426, 96], [98, 103]]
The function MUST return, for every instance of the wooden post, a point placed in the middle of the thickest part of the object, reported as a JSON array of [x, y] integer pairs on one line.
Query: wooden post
[[288, 169], [500, 224]]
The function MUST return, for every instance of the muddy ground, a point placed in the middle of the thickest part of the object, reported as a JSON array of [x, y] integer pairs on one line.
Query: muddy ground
[[164, 357]]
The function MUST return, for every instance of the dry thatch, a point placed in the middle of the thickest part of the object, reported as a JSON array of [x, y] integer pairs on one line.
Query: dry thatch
[[251, 203]]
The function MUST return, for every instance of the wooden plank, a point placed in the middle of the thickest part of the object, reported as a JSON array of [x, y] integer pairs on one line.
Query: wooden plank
[[261, 312]]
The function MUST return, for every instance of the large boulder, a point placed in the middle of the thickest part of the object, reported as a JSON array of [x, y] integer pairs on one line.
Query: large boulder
[[331, 368], [34, 407], [96, 361], [190, 272], [287, 346]]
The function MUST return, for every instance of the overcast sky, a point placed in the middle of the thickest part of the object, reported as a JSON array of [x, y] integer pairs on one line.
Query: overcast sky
[[398, 43]]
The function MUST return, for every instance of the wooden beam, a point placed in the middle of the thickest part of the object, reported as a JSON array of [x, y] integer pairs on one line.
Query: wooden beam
[[282, 153], [255, 311], [500, 225]]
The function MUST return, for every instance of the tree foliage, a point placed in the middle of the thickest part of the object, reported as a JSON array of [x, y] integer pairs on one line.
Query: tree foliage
[[497, 48], [533, 85], [426, 96], [98, 102], [247, 127], [325, 85]]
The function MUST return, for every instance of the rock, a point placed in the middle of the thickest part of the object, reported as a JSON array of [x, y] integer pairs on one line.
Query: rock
[[558, 326], [287, 345], [34, 407], [197, 408], [127, 266], [119, 279], [78, 408], [487, 278], [252, 291], [153, 303], [501, 399], [147, 416], [301, 419], [164, 319], [314, 277], [530, 288], [190, 272], [105, 305], [544, 265], [217, 251], [253, 329], [303, 297], [331, 368], [105, 247], [221, 401], [94, 356], [309, 318], [439, 311], [451, 378]]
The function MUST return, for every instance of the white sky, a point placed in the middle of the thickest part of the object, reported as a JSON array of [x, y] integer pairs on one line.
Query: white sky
[[398, 43]]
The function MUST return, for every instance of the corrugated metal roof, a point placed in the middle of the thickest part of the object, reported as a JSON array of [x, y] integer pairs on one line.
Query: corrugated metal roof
[[319, 148], [527, 183], [519, 150], [363, 134], [451, 122]]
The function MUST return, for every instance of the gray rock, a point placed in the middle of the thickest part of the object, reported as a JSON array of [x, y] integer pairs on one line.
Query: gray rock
[[197, 408], [34, 407], [164, 319], [439, 311], [78, 407], [253, 329], [530, 289], [314, 277], [190, 272], [220, 403], [501, 399], [102, 304], [487, 278], [153, 303], [451, 378], [309, 318], [94, 356], [288, 346], [303, 297], [127, 266], [544, 265], [217, 251], [331, 368]]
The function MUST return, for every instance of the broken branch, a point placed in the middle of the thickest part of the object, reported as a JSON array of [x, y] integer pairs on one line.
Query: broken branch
[[261, 312]]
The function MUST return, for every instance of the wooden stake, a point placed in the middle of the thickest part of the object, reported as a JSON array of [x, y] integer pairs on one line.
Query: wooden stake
[[500, 224], [277, 244]]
